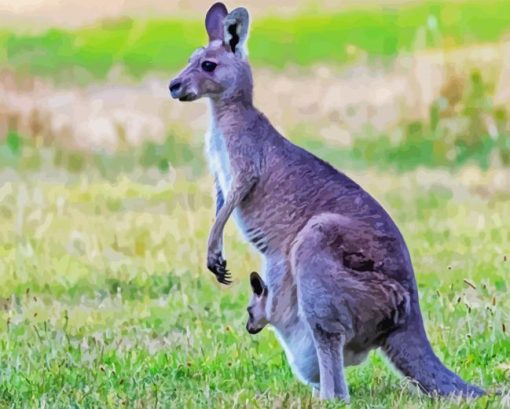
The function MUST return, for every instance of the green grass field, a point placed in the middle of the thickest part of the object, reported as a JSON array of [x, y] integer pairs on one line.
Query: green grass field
[[106, 301], [306, 39]]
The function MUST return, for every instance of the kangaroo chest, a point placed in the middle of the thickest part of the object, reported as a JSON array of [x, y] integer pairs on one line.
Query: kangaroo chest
[[220, 167], [218, 158]]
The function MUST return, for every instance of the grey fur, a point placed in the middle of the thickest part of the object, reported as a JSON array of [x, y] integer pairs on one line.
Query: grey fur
[[338, 273]]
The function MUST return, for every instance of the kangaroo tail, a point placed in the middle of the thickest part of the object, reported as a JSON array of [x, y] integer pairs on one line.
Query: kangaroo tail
[[410, 351]]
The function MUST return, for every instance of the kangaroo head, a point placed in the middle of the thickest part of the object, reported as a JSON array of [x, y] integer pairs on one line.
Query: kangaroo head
[[257, 307], [219, 70]]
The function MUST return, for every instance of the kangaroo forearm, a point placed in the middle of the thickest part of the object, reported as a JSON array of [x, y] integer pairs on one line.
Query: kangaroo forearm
[[235, 196], [219, 224], [220, 199]]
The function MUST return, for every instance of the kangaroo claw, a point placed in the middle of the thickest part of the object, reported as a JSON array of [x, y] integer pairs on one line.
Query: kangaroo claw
[[218, 266]]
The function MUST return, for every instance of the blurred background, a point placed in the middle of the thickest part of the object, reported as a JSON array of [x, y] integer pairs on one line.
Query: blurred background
[[105, 199], [394, 83]]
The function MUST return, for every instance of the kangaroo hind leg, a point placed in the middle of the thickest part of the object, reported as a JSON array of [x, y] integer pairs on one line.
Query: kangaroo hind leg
[[319, 281], [330, 354], [330, 325]]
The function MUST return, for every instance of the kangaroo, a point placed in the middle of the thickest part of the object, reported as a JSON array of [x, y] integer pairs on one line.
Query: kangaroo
[[341, 291], [377, 305], [330, 251]]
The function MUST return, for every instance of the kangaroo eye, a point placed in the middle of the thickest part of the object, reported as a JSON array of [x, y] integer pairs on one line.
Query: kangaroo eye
[[209, 66]]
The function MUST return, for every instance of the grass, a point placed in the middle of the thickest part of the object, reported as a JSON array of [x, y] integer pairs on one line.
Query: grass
[[106, 301], [162, 45]]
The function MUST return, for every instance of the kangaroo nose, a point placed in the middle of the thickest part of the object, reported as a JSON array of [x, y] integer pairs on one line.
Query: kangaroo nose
[[175, 88]]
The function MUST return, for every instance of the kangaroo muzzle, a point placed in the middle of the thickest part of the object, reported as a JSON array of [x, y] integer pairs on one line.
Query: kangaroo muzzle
[[178, 90], [252, 330]]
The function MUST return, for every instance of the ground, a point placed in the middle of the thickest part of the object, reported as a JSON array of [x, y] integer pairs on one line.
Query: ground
[[106, 300], [106, 205]]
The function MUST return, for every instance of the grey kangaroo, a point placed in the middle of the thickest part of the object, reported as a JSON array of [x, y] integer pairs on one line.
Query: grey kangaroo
[[338, 279]]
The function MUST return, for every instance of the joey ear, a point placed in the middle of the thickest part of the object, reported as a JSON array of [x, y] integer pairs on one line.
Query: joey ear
[[236, 31], [257, 284], [214, 21]]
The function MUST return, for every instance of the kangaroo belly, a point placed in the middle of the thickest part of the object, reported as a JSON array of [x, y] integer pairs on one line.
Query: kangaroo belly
[[300, 352], [255, 235], [262, 227], [302, 356]]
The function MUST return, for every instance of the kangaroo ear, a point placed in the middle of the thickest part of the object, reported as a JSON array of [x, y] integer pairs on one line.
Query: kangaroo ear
[[257, 284], [214, 21], [236, 31]]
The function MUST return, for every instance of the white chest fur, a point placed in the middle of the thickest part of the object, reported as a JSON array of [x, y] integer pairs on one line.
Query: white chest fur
[[217, 156]]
